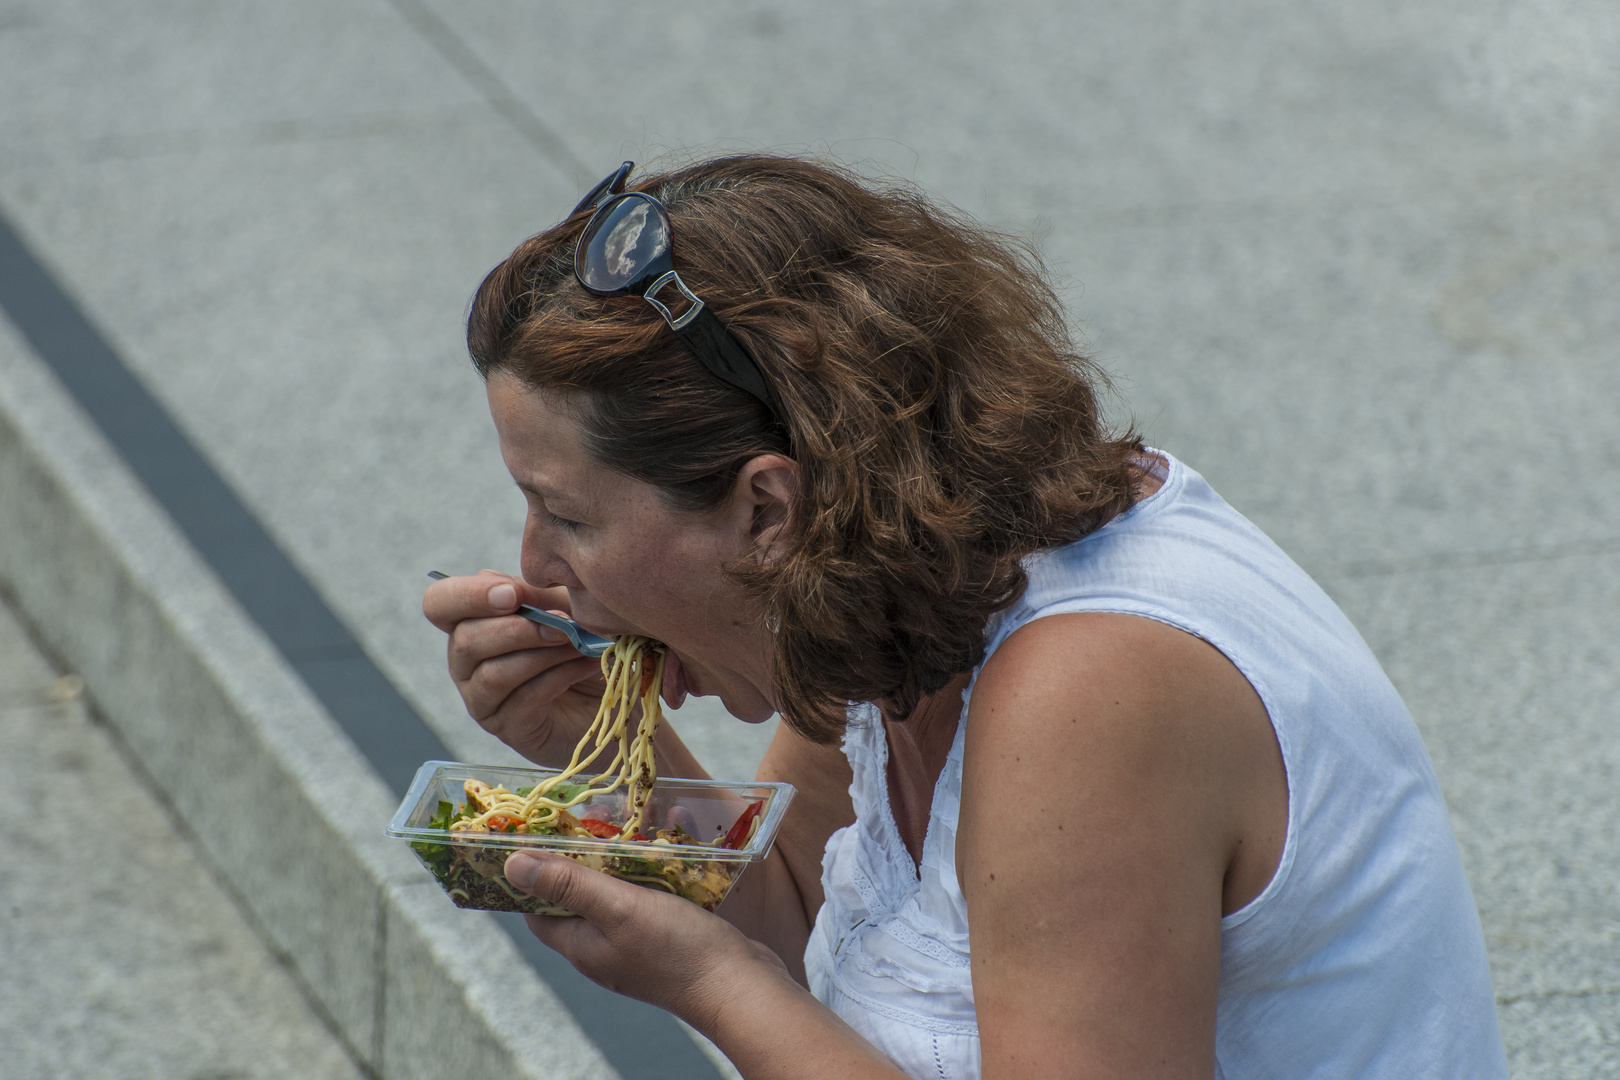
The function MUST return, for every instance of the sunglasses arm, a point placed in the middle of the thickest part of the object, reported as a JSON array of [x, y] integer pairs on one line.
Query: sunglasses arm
[[721, 353]]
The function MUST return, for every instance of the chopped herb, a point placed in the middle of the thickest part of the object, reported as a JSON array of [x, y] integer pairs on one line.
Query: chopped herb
[[441, 820]]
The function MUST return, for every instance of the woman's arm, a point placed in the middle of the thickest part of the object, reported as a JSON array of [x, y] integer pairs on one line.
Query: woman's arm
[[664, 950], [1122, 787], [776, 901]]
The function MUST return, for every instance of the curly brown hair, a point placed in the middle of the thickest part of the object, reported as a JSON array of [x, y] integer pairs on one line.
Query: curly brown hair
[[943, 420]]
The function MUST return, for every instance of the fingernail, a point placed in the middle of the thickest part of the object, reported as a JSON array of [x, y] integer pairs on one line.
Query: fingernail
[[502, 597], [521, 870]]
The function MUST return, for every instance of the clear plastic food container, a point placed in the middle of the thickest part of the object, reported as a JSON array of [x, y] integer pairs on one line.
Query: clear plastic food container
[[471, 865]]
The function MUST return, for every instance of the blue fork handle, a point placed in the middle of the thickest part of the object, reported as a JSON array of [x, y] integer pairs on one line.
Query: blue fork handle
[[586, 642]]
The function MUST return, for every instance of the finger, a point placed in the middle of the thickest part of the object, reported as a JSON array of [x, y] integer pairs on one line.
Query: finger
[[498, 677], [473, 641], [519, 714], [484, 595], [545, 599], [451, 600], [568, 936], [592, 895]]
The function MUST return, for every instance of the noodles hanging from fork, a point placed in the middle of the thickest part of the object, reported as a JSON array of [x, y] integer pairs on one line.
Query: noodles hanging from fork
[[633, 671]]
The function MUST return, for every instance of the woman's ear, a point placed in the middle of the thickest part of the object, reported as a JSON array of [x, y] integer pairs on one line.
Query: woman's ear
[[767, 489]]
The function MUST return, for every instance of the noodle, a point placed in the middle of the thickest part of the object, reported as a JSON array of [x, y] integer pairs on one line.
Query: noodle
[[633, 671], [473, 871]]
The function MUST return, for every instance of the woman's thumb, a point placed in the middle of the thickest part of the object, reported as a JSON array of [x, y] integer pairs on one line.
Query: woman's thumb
[[556, 880]]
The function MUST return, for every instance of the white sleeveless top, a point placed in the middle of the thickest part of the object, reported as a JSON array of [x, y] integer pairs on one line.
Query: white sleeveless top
[[1363, 957]]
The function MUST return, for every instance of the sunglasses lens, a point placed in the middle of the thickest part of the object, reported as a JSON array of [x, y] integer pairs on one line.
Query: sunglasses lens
[[627, 237]]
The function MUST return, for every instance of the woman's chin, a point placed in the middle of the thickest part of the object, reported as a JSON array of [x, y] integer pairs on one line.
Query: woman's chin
[[755, 710], [680, 682]]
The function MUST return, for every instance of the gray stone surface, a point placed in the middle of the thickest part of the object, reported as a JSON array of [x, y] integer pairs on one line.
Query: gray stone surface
[[229, 736], [1563, 1038], [195, 692], [433, 951], [1356, 264], [123, 957], [1512, 670], [245, 231]]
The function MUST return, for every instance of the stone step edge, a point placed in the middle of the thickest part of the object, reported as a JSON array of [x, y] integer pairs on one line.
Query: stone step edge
[[230, 737]]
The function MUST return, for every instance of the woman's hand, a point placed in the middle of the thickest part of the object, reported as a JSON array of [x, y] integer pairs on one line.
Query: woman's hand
[[643, 943], [671, 953], [523, 682]]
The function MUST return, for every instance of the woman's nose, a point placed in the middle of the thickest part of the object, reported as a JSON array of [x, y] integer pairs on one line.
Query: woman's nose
[[543, 567]]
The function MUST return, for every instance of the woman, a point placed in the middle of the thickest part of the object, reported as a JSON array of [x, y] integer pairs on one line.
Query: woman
[[1103, 728]]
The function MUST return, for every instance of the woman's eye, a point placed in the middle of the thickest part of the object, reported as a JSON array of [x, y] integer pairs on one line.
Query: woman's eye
[[561, 522]]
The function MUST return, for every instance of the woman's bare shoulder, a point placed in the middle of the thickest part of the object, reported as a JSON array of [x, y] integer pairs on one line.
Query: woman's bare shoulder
[[1103, 807], [1134, 710], [1079, 667]]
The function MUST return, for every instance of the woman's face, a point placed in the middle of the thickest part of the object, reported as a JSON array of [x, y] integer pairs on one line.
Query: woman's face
[[630, 563]]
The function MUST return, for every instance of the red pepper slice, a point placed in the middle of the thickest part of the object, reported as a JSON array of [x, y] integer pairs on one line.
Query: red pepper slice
[[739, 832], [606, 830], [504, 823]]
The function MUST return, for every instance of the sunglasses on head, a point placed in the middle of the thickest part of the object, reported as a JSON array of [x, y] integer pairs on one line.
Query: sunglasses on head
[[626, 250]]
